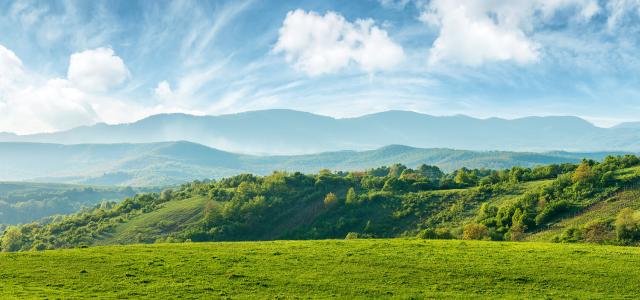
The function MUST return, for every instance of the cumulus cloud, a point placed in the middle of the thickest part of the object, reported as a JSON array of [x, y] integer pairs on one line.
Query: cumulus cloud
[[163, 91], [54, 104], [30, 103], [97, 69], [474, 32], [317, 44]]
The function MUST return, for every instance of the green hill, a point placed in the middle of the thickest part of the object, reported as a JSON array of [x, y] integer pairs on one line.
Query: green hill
[[589, 202], [351, 269]]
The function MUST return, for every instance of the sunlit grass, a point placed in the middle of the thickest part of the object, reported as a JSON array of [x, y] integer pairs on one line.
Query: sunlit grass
[[329, 268]]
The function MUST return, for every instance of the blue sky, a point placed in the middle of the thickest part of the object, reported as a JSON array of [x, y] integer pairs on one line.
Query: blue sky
[[70, 63]]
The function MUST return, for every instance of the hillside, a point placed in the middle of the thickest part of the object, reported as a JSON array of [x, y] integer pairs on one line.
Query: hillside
[[168, 163], [23, 202], [588, 202], [350, 269], [281, 131], [600, 212]]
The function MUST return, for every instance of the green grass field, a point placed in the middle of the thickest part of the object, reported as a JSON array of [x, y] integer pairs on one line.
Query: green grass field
[[325, 269]]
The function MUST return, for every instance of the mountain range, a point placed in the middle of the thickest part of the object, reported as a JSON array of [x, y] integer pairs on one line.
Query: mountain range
[[293, 132], [167, 163]]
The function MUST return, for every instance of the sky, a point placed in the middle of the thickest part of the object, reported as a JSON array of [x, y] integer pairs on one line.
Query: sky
[[65, 64]]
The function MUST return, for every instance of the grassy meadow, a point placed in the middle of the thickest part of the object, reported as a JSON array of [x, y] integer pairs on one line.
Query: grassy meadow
[[393, 268]]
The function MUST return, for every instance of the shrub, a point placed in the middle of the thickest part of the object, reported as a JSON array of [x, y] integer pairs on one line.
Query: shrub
[[475, 232], [435, 234], [597, 231], [330, 199], [571, 235], [627, 225], [515, 233], [351, 236], [352, 198], [583, 173], [553, 210], [12, 240], [427, 234]]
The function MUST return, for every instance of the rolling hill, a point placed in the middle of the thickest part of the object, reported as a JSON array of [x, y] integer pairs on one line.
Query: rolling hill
[[167, 163], [295, 132], [559, 203]]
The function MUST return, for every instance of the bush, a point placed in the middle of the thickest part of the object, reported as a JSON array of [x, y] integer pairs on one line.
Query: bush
[[435, 234], [597, 231], [628, 225], [475, 232], [352, 198], [571, 235], [351, 236], [553, 210], [330, 199], [12, 240], [515, 233]]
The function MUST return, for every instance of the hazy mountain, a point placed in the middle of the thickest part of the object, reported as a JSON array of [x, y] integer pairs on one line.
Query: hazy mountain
[[628, 125], [176, 162], [294, 132]]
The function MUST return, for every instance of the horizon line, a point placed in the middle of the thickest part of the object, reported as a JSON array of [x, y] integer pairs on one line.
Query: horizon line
[[326, 116]]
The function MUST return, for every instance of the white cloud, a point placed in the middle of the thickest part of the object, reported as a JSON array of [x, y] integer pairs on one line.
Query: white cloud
[[164, 91], [10, 68], [474, 32], [44, 105], [97, 70], [30, 103], [54, 104], [619, 9], [318, 44]]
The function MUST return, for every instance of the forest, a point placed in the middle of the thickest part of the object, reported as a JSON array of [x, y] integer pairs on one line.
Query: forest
[[23, 202]]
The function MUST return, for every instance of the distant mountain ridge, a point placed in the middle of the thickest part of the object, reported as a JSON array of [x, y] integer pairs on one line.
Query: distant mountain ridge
[[165, 163], [628, 125], [282, 131]]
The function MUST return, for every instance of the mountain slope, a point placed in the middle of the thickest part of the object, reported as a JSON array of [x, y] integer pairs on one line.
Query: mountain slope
[[176, 162], [172, 217], [294, 132]]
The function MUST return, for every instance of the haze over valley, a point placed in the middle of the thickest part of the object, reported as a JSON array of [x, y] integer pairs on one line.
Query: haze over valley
[[289, 132]]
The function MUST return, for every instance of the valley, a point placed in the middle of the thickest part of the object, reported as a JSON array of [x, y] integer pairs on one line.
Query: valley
[[171, 163]]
